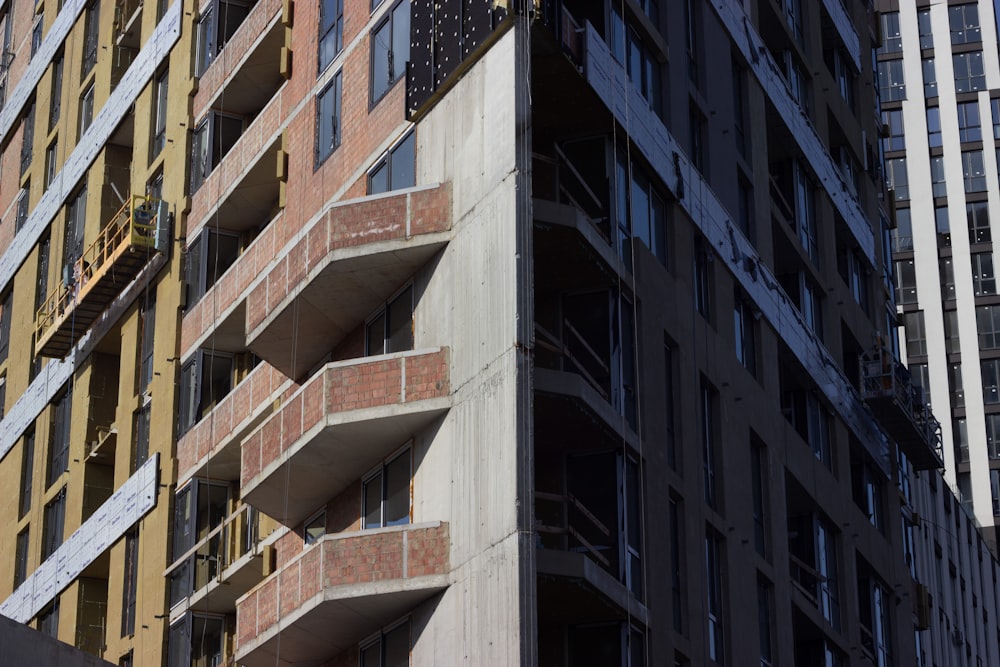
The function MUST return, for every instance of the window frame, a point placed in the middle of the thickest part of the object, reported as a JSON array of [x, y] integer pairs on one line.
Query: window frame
[[379, 473], [403, 148], [375, 96], [383, 312], [334, 87]]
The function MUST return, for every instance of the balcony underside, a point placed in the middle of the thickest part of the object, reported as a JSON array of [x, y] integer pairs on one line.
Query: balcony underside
[[572, 589], [906, 432], [219, 596], [334, 298], [333, 455], [335, 620], [572, 408]]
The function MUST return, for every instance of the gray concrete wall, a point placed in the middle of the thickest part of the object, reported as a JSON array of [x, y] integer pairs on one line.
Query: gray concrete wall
[[468, 474]]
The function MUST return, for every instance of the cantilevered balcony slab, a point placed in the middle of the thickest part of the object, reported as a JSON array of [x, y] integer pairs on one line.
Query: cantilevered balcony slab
[[574, 589], [343, 266], [211, 448], [343, 421], [338, 591]]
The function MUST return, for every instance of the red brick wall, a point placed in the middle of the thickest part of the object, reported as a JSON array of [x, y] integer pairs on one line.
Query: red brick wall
[[350, 225], [254, 391], [365, 384], [364, 557]]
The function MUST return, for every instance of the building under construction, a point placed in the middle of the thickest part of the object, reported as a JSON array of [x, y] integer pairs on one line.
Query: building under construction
[[404, 332]]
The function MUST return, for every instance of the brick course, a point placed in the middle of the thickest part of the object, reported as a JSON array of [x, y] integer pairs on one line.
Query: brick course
[[357, 558]]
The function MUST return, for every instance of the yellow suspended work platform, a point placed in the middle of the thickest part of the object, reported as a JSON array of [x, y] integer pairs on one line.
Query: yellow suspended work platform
[[121, 250]]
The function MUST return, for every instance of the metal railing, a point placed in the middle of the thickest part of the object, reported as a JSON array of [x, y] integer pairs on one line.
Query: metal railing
[[221, 547], [133, 226], [561, 525], [884, 377]]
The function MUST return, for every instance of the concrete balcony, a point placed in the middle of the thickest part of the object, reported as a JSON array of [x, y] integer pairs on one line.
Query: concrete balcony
[[242, 189], [343, 267], [211, 447], [227, 564], [343, 421], [246, 73], [335, 593], [221, 310]]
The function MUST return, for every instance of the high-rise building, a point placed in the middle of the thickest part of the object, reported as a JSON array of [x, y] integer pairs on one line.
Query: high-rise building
[[415, 333], [939, 77]]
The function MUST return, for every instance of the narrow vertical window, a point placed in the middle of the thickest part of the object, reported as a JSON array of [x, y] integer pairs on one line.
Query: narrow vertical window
[[53, 520], [86, 110], [159, 115], [758, 480], [27, 473], [130, 582], [390, 50], [55, 99], [328, 120], [59, 427], [709, 399], [91, 30], [331, 31], [714, 596], [21, 558]]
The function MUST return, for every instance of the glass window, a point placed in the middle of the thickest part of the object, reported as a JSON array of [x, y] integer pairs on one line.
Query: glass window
[[90, 37], [897, 179], [906, 282], [390, 649], [947, 271], [969, 73], [390, 50], [964, 23], [159, 115], [930, 77], [934, 127], [924, 30], [892, 42], [988, 326], [53, 524], [951, 341], [891, 82], [385, 495], [943, 227], [21, 558], [995, 112], [22, 207], [714, 554], [328, 119], [314, 529], [974, 171], [55, 102], [939, 187], [902, 235], [916, 336], [955, 387], [59, 428], [991, 380], [993, 435], [390, 329], [983, 279], [213, 138], [27, 473], [702, 279], [894, 139], [86, 110], [396, 169], [331, 30], [977, 214], [709, 399], [130, 581], [968, 122], [27, 137], [745, 334]]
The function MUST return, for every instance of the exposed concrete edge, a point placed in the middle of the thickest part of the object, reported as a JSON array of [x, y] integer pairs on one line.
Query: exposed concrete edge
[[569, 565]]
